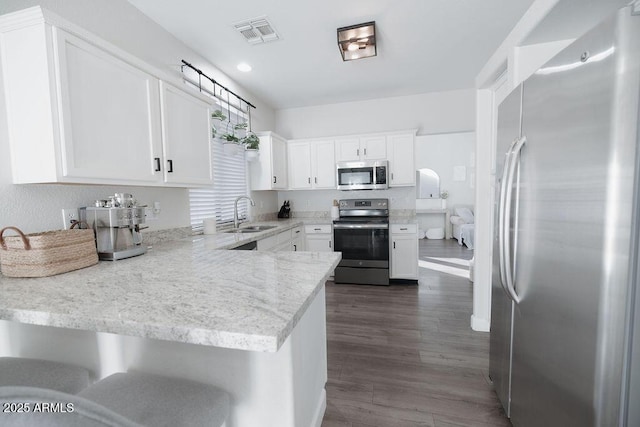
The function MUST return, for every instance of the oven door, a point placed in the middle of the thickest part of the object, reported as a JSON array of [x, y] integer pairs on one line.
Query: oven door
[[362, 244]]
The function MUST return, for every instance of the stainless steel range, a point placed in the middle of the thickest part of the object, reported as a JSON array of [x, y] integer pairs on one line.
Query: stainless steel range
[[362, 235]]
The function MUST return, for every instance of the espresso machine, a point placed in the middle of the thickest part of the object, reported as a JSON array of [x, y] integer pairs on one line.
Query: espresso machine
[[116, 222]]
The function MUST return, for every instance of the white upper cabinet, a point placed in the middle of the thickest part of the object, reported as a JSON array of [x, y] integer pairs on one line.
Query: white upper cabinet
[[361, 148], [186, 129], [299, 165], [80, 110], [269, 172], [401, 155], [323, 164], [311, 164], [108, 114]]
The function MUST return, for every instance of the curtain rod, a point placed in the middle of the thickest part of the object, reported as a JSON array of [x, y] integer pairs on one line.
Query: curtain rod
[[215, 83]]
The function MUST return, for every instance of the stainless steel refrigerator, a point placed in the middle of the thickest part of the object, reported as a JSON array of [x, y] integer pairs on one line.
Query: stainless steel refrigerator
[[565, 307]]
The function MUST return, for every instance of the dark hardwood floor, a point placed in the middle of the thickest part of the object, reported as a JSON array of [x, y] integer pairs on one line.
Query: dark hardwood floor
[[404, 355]]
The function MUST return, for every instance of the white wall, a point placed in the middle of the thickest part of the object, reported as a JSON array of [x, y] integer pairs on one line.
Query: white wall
[[440, 112], [38, 207], [442, 153], [322, 200]]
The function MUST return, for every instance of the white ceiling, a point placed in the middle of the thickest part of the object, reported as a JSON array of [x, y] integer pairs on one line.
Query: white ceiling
[[423, 45]]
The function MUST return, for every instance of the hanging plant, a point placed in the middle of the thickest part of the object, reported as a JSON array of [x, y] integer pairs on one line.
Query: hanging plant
[[230, 137], [218, 115], [251, 141], [240, 126]]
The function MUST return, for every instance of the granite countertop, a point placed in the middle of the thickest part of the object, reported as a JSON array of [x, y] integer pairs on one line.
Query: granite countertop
[[184, 291]]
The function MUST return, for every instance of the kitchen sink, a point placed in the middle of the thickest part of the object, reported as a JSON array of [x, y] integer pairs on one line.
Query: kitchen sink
[[251, 229]]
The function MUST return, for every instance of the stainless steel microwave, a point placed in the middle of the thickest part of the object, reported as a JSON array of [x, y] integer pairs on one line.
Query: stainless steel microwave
[[367, 175]]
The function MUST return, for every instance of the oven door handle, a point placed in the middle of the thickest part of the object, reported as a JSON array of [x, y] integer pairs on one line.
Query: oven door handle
[[361, 226]]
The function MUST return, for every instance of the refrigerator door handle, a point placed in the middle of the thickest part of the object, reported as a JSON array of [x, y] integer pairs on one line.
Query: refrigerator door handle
[[501, 216], [508, 266]]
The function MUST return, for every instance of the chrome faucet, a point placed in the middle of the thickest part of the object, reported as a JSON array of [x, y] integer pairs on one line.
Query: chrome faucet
[[236, 223]]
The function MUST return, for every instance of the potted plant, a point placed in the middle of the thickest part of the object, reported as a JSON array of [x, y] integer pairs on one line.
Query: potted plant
[[216, 115], [241, 129], [444, 196], [231, 143], [251, 145]]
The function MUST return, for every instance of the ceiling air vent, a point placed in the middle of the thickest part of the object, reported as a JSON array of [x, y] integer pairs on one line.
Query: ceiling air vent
[[257, 30]]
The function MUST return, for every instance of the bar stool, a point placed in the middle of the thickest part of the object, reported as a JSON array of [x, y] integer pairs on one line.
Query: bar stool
[[155, 400], [18, 371]]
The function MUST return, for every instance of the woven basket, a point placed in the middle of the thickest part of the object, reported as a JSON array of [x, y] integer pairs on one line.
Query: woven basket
[[46, 254]]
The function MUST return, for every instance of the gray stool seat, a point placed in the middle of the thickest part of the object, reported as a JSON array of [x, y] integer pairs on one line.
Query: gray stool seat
[[62, 410], [18, 371], [155, 400]]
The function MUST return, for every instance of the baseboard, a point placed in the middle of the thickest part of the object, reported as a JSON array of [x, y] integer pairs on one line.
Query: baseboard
[[479, 324], [320, 410]]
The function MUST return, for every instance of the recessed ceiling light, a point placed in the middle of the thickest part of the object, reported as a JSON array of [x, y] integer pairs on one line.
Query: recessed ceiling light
[[244, 67]]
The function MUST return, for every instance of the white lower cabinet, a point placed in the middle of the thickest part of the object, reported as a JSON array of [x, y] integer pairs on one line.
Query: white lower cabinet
[[404, 251], [319, 238], [286, 241]]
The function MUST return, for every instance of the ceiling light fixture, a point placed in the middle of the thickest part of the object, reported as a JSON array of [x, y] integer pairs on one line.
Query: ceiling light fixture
[[357, 41], [244, 67]]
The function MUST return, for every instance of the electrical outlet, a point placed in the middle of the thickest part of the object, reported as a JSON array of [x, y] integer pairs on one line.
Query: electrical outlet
[[150, 214], [68, 216]]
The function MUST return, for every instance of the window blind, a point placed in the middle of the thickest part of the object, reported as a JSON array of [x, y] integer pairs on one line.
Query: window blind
[[229, 178]]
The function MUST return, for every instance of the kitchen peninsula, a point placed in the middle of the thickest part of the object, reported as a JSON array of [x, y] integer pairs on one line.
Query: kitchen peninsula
[[253, 323]]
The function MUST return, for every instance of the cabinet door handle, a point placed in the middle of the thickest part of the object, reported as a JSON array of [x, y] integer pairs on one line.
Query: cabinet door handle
[[275, 179], [157, 160], [391, 176], [358, 152], [365, 151], [316, 179], [309, 180], [403, 229], [170, 166], [329, 243], [297, 231], [317, 229], [295, 248], [394, 245]]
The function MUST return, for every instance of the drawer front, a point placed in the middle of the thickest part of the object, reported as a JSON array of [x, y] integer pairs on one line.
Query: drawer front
[[318, 229], [404, 228]]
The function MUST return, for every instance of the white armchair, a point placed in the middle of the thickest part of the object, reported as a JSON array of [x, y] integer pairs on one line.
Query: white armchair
[[463, 226]]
